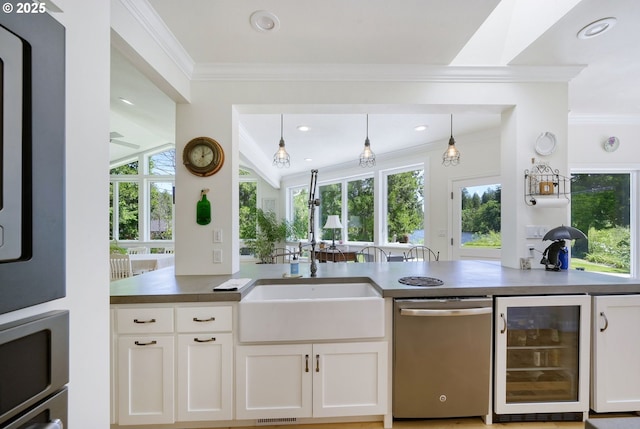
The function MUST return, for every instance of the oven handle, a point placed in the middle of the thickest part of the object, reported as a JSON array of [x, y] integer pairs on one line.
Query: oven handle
[[448, 312]]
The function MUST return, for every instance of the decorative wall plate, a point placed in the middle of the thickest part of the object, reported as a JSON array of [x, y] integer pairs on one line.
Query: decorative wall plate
[[611, 144], [546, 144]]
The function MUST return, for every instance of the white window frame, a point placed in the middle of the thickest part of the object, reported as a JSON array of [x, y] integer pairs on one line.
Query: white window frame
[[382, 236]]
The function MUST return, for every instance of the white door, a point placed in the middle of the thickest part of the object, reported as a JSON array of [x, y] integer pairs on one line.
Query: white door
[[273, 381], [205, 376], [475, 226], [542, 354], [616, 353], [349, 379], [145, 379]]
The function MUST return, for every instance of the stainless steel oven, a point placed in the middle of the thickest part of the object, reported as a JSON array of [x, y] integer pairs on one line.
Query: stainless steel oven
[[34, 371], [32, 159]]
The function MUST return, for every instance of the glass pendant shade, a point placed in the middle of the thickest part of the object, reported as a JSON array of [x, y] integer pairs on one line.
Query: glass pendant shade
[[281, 157], [367, 157], [451, 156]]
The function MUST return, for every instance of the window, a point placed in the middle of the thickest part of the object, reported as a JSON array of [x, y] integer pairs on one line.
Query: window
[[248, 207], [601, 208], [405, 206], [360, 210], [299, 212], [141, 202], [330, 204]]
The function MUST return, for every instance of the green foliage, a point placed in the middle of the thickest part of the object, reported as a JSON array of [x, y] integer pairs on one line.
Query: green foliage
[[300, 224], [248, 208], [481, 214], [405, 211], [270, 231], [330, 204], [360, 208], [115, 248], [610, 247], [490, 240]]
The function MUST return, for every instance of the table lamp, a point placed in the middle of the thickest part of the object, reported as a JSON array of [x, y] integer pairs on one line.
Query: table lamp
[[333, 222]]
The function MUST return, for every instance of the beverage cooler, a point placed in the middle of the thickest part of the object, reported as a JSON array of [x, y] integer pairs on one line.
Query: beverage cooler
[[542, 357]]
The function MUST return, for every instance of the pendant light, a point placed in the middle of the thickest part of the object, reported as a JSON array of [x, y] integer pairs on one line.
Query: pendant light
[[367, 157], [451, 156], [281, 157]]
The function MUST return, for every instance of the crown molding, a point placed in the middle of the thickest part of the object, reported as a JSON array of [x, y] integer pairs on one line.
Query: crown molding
[[149, 19], [382, 72], [604, 119]]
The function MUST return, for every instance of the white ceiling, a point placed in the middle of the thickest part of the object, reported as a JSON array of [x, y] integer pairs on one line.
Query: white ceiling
[[373, 34]]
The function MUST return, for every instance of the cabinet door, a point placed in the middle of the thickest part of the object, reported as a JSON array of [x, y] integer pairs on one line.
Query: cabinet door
[[273, 381], [145, 375], [204, 376], [542, 354], [616, 353], [349, 379]]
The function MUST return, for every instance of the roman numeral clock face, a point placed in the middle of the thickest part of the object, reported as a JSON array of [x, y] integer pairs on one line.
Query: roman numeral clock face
[[203, 156]]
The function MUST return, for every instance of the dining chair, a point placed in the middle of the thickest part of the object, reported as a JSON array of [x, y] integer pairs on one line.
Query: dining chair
[[141, 250], [334, 255], [282, 255], [372, 254], [120, 266], [421, 253]]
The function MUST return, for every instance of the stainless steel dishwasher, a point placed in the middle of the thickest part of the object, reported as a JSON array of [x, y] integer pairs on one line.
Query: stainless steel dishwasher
[[442, 357]]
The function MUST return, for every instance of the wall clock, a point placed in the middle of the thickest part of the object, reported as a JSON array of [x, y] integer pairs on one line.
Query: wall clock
[[203, 156]]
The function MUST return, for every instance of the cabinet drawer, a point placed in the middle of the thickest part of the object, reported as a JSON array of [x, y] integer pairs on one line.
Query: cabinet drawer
[[204, 319], [144, 320]]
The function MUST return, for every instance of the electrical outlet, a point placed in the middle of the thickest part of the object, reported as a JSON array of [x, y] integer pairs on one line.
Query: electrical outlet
[[217, 256]]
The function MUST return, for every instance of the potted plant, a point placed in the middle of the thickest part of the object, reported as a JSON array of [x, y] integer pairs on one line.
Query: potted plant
[[270, 231]]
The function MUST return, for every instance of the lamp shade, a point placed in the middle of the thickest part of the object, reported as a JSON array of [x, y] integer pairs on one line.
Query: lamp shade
[[333, 221]]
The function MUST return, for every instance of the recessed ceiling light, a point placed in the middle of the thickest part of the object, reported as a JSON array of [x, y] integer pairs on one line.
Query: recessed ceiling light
[[303, 128], [264, 21], [597, 28], [420, 128], [308, 159], [125, 101]]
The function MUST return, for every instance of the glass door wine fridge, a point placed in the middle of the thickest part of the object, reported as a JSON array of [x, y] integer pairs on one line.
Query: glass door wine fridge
[[542, 354]]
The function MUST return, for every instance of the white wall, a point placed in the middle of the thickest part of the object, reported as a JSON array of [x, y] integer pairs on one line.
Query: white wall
[[586, 139], [87, 210]]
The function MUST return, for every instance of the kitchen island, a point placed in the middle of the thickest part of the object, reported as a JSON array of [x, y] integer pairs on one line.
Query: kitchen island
[[180, 356], [460, 278]]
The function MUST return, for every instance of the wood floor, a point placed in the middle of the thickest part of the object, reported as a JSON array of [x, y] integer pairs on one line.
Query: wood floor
[[465, 423]]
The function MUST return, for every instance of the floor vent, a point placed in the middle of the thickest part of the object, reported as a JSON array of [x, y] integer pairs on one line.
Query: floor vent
[[279, 421]]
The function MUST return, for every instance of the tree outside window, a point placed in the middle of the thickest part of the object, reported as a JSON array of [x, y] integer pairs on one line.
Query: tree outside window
[[480, 216], [405, 207], [300, 212], [248, 207], [330, 204], [601, 208], [360, 210]]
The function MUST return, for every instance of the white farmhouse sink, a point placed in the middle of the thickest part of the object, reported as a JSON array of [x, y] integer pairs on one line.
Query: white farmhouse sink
[[311, 311]]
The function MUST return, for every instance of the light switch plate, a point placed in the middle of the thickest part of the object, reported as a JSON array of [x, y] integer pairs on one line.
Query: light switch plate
[[217, 256], [217, 235]]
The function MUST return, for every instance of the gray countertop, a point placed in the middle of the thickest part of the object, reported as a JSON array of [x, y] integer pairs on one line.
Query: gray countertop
[[461, 278]]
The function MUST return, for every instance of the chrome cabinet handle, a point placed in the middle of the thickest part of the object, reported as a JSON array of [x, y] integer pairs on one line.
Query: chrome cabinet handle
[[504, 324], [606, 321], [451, 312], [317, 363], [207, 340], [210, 319], [306, 363], [150, 343], [144, 321]]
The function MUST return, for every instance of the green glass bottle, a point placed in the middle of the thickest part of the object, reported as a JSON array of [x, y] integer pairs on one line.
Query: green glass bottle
[[203, 209]]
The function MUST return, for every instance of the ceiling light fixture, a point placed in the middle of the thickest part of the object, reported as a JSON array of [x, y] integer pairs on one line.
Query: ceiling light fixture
[[281, 157], [367, 157], [303, 128], [597, 28], [452, 155], [420, 128], [264, 21]]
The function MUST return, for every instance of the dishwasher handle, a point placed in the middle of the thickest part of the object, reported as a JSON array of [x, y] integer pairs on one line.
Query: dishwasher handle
[[447, 312]]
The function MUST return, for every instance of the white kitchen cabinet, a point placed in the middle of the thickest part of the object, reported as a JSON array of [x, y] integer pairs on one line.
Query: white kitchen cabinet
[[542, 354], [145, 369], [174, 364], [205, 359], [615, 383], [311, 380]]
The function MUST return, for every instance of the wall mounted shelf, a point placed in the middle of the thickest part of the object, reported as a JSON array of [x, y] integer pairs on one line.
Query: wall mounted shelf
[[545, 186]]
